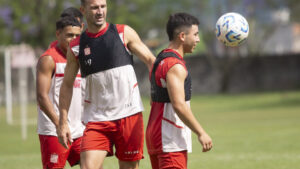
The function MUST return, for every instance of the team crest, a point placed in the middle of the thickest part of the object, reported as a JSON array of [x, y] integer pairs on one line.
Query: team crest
[[87, 51]]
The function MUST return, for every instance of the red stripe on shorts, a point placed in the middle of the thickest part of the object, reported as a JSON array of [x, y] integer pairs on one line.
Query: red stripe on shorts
[[171, 122]]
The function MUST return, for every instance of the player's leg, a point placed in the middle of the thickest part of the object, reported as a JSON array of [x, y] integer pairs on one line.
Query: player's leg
[[129, 164], [173, 160], [54, 155], [129, 141], [74, 156], [92, 159], [96, 144]]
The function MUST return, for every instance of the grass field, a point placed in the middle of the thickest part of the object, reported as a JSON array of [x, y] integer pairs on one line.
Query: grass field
[[249, 131]]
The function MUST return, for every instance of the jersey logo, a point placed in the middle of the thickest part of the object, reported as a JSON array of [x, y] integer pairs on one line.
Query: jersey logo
[[87, 51], [77, 83]]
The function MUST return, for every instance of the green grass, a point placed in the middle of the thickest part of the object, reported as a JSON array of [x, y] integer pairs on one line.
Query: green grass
[[249, 131]]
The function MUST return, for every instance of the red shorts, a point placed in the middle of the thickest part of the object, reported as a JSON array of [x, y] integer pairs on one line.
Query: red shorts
[[171, 160], [54, 155], [126, 134]]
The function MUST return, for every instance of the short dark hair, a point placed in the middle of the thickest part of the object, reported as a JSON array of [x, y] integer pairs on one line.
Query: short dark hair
[[178, 22], [71, 11], [67, 21]]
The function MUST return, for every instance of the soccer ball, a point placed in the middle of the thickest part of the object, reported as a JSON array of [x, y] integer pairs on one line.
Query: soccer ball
[[232, 29]]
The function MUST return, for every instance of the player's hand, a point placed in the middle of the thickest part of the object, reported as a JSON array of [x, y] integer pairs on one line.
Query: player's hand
[[64, 135], [206, 142]]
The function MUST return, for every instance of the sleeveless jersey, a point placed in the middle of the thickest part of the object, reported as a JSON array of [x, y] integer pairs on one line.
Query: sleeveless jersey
[[111, 86], [45, 125], [160, 93], [165, 131]]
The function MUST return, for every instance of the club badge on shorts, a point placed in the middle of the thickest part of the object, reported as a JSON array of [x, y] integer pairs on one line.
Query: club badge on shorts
[[54, 158]]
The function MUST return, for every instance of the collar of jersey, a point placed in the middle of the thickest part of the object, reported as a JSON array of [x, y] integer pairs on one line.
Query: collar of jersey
[[59, 51], [100, 33], [171, 50]]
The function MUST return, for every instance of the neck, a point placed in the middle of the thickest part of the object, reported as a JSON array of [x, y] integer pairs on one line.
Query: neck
[[177, 47], [95, 29], [63, 50]]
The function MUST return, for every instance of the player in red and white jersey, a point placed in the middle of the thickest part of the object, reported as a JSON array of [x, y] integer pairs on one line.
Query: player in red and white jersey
[[168, 134], [50, 74], [113, 94], [73, 12], [113, 106]]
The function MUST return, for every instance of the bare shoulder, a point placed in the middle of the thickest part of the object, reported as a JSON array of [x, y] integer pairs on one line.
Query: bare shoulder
[[46, 62], [128, 29], [130, 34], [178, 71]]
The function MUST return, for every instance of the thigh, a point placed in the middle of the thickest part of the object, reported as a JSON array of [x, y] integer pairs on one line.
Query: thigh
[[173, 160], [54, 155], [129, 139], [97, 136], [92, 159], [74, 155]]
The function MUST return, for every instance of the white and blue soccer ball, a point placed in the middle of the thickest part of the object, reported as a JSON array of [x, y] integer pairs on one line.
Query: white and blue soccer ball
[[232, 29]]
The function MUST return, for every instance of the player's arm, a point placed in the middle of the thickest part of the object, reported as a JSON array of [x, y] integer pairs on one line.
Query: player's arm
[[65, 97], [175, 86], [45, 69], [137, 47]]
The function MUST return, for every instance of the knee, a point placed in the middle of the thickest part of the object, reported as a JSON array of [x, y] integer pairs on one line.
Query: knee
[[129, 164]]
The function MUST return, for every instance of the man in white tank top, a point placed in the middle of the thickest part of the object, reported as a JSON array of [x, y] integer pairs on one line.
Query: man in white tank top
[[50, 74]]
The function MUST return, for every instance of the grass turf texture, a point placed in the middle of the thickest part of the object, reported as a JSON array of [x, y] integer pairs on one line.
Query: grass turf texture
[[260, 130]]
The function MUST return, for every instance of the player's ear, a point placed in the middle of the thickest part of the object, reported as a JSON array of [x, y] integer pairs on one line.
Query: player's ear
[[57, 33], [181, 36]]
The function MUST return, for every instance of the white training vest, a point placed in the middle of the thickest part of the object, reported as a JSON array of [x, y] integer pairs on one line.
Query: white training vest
[[112, 94], [45, 125]]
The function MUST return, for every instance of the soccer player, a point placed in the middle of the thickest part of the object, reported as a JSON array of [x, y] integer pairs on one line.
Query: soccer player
[[113, 106], [168, 134], [74, 12], [50, 74]]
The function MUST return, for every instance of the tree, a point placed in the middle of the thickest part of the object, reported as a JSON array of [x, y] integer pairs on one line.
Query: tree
[[30, 21]]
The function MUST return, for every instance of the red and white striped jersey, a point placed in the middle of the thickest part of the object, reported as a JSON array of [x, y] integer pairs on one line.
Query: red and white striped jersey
[[45, 125], [165, 131]]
